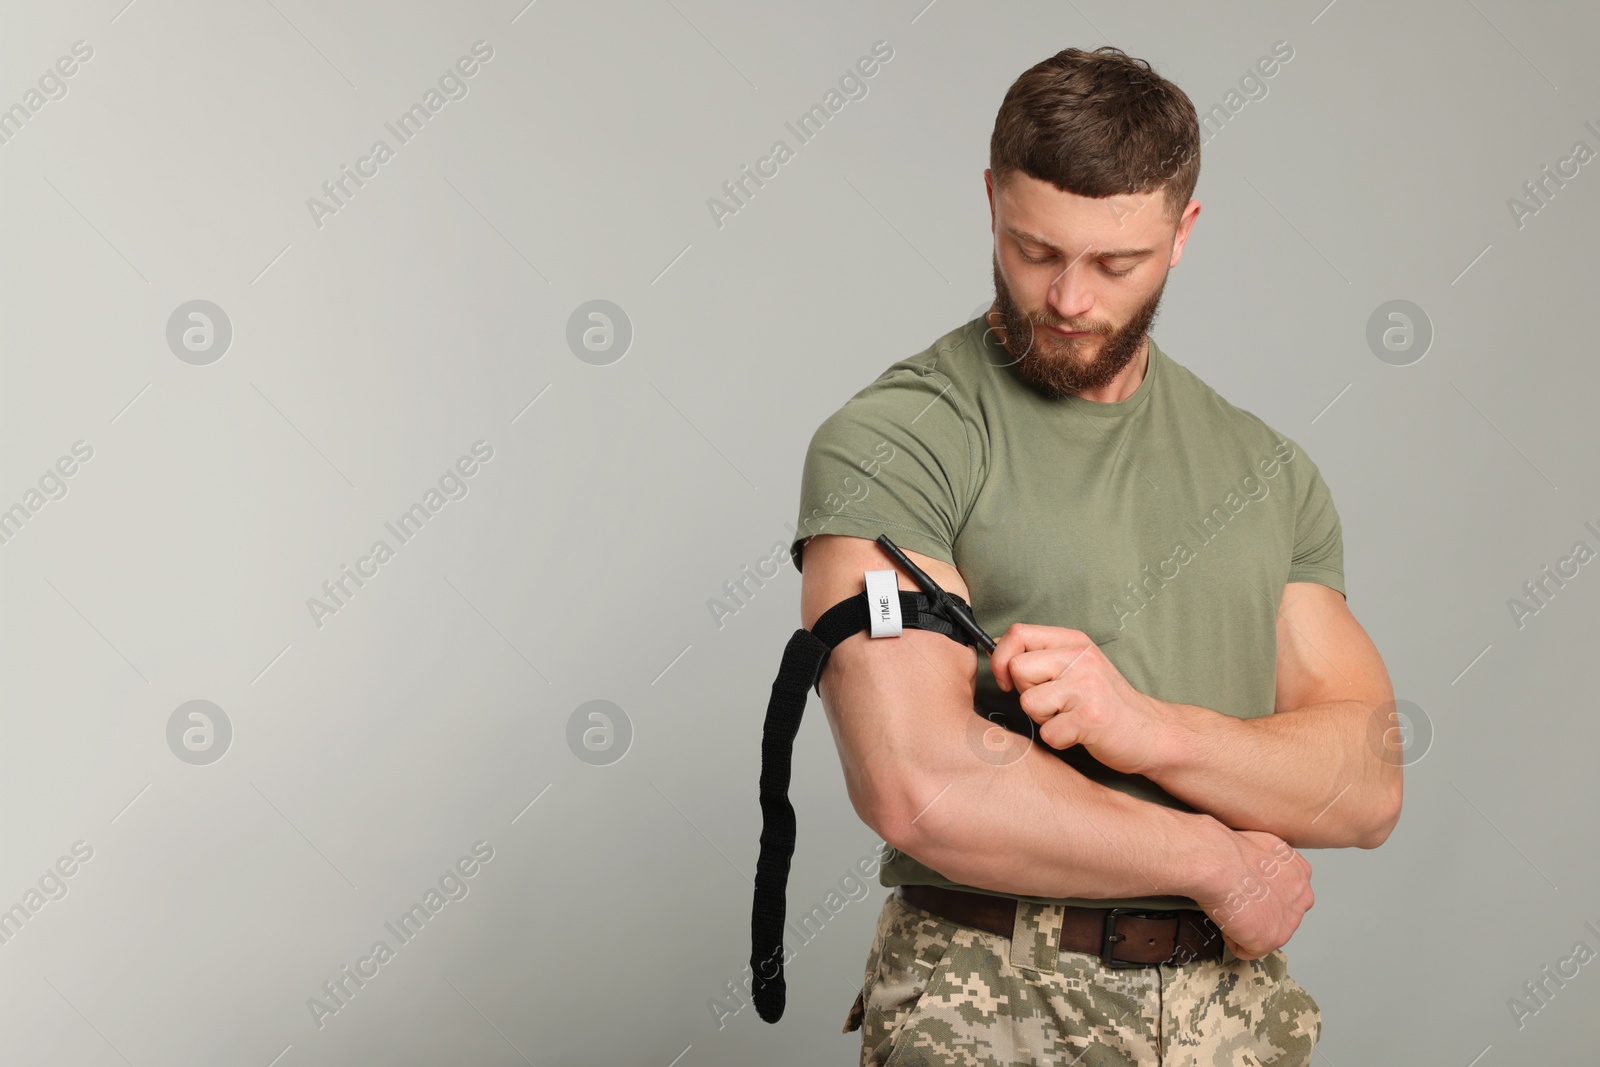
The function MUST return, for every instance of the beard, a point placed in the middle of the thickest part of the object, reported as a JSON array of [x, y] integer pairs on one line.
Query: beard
[[1061, 366]]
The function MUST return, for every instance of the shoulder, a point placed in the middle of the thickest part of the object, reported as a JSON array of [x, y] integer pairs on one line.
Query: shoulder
[[1227, 422], [932, 390]]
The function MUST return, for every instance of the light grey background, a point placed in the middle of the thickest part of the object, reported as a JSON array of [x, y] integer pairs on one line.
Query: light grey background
[[431, 311]]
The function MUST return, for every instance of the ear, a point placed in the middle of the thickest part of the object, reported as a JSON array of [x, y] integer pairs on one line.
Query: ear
[[1185, 223]]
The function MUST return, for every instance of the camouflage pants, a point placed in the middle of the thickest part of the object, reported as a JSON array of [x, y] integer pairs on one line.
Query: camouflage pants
[[941, 994]]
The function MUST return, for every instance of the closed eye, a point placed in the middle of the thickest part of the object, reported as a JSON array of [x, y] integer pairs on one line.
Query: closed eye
[[1103, 267]]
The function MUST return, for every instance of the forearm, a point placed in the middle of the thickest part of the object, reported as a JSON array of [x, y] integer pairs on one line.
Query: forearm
[[1315, 776], [1037, 827]]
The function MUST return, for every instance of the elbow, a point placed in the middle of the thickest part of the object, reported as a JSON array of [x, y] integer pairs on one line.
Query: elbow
[[1376, 836], [882, 798], [1367, 829], [895, 819], [907, 817], [878, 805], [892, 829], [1380, 829]]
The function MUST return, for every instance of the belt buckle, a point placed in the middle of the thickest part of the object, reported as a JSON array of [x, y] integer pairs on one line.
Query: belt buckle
[[1109, 937]]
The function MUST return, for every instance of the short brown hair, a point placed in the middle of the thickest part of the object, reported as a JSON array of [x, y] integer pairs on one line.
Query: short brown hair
[[1098, 124]]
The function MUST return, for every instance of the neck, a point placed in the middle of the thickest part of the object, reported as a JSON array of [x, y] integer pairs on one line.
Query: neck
[[1125, 384]]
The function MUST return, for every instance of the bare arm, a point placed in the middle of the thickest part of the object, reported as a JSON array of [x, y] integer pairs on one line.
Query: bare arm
[[919, 773], [1323, 771]]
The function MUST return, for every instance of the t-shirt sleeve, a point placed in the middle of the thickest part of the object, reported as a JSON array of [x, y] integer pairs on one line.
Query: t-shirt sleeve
[[1318, 535], [896, 459]]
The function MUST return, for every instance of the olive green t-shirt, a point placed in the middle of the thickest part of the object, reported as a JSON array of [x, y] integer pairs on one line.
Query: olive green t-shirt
[[1164, 526]]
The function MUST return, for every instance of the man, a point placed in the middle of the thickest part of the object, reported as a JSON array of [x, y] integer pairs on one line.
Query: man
[[1181, 697]]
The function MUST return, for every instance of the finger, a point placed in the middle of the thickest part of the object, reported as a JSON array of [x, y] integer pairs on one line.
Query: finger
[[1039, 700], [1049, 699], [1011, 644], [1040, 665], [1000, 661], [1023, 637], [1061, 732]]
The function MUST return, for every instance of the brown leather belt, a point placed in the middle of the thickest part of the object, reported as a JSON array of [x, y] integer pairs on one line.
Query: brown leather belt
[[1121, 937]]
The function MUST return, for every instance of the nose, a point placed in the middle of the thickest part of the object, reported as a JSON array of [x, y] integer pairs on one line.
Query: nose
[[1070, 294]]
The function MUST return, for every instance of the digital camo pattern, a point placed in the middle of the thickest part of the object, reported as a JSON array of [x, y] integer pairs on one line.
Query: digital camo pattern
[[939, 994]]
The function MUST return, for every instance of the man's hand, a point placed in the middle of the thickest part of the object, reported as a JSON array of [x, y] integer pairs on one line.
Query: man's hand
[[1260, 896], [1077, 696]]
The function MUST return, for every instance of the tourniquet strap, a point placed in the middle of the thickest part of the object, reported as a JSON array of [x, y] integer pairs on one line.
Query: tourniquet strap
[[801, 670]]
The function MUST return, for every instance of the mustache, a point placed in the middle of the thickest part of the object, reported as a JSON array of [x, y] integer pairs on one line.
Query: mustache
[[1064, 325]]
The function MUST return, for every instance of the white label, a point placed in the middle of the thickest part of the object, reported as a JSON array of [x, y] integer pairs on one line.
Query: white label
[[883, 602]]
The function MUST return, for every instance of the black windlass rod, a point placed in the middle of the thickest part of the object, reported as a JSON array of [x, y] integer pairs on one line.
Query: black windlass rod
[[952, 608]]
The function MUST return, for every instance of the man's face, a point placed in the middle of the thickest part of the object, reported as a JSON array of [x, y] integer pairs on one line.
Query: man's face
[[1078, 280]]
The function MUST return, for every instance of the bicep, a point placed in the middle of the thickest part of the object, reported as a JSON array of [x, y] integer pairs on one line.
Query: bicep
[[890, 702], [1324, 654]]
